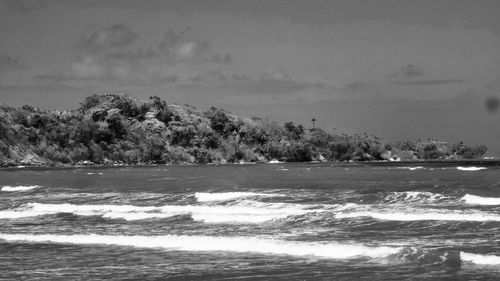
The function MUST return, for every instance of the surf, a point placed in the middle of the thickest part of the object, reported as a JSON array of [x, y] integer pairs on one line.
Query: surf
[[480, 259], [416, 215], [414, 196], [330, 250], [245, 212], [479, 200], [471, 169], [8, 188], [224, 196]]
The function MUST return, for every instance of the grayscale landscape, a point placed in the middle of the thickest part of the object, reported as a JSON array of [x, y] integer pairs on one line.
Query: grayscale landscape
[[249, 140]]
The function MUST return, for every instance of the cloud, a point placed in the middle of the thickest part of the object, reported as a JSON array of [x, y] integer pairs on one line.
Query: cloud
[[184, 47], [9, 63], [142, 53], [25, 5], [97, 67], [408, 71], [411, 75], [430, 82], [181, 47], [113, 36]]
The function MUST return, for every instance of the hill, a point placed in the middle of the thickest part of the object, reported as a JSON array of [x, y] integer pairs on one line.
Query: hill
[[112, 128]]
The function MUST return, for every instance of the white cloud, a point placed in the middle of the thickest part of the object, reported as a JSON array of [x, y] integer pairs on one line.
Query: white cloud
[[184, 47], [113, 36]]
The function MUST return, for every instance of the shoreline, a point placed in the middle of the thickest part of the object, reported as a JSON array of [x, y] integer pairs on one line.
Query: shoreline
[[446, 163]]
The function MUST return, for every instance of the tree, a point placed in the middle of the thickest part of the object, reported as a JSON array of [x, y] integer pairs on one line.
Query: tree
[[431, 151], [218, 119], [155, 146], [294, 132]]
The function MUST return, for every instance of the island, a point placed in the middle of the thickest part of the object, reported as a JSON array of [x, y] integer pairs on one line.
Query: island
[[117, 129]]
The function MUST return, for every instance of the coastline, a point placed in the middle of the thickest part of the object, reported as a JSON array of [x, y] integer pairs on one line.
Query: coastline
[[413, 163]]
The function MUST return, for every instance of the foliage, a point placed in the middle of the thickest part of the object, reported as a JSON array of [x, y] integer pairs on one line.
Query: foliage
[[115, 128]]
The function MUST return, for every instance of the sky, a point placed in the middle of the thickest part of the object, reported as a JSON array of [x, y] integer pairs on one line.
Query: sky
[[398, 69]]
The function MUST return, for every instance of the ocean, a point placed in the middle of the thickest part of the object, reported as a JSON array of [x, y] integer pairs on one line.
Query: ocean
[[282, 221]]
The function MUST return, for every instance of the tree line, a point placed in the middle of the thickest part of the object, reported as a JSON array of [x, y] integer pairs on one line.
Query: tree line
[[112, 128]]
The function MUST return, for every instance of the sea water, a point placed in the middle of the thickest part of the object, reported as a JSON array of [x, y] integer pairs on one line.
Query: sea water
[[264, 221]]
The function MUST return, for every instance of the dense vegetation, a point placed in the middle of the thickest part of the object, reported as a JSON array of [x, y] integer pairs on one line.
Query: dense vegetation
[[114, 128]]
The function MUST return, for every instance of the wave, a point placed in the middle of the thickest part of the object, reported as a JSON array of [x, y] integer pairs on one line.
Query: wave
[[414, 196], [424, 216], [415, 168], [330, 250], [480, 259], [471, 168], [245, 212], [224, 196], [411, 168], [18, 188], [478, 200], [249, 212]]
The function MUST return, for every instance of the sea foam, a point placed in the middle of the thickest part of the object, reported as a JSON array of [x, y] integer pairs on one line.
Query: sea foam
[[414, 196], [244, 213], [479, 200], [471, 169], [18, 188], [480, 259], [421, 216], [224, 196], [330, 250], [411, 168]]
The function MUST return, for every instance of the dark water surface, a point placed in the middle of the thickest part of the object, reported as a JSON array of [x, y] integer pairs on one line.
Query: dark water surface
[[248, 222]]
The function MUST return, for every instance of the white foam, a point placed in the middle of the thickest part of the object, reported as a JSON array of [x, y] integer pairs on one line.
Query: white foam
[[224, 196], [415, 168], [421, 216], [243, 213], [411, 168], [274, 161], [471, 168], [237, 214], [414, 196], [478, 200], [330, 250], [18, 188], [480, 259], [109, 211]]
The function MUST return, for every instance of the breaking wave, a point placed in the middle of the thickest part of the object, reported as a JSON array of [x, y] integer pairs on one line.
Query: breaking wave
[[248, 212], [330, 250], [421, 216], [411, 168], [471, 168], [224, 196], [18, 188], [480, 259], [478, 200], [414, 196]]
